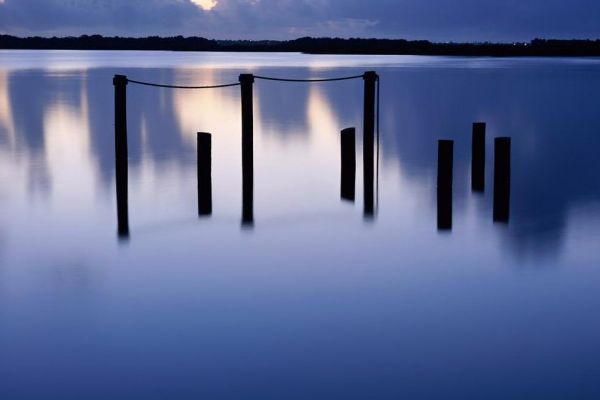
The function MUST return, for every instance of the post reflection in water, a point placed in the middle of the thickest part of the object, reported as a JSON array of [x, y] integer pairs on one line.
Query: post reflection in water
[[444, 209], [444, 184], [348, 164], [478, 157], [502, 180], [248, 197]]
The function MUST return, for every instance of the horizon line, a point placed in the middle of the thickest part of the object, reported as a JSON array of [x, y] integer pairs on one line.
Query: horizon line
[[384, 39]]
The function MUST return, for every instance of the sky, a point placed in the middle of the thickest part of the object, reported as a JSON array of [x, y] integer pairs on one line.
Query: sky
[[438, 20]]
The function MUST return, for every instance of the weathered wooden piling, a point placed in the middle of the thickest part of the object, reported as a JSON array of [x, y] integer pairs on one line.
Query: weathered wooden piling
[[247, 81], [444, 184], [502, 171], [370, 79], [204, 174], [348, 158], [478, 157], [121, 167]]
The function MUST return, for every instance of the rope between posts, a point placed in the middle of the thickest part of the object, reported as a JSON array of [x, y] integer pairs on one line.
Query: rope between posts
[[267, 78], [182, 87], [345, 78]]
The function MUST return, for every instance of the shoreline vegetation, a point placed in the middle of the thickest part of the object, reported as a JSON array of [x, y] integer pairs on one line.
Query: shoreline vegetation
[[534, 48]]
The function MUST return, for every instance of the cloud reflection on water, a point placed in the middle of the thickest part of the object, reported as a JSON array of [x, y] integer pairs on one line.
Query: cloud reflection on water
[[61, 123]]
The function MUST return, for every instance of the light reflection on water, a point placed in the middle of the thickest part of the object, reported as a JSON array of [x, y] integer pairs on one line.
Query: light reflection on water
[[313, 298]]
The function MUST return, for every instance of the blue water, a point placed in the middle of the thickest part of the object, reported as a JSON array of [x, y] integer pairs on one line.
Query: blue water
[[314, 301]]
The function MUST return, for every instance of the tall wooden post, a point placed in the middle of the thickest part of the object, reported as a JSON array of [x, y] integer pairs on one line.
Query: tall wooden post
[[502, 179], [444, 184], [370, 79], [121, 167], [478, 157], [348, 174], [204, 174], [247, 81]]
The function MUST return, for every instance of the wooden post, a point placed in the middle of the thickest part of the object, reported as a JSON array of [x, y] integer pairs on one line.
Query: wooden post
[[502, 179], [478, 157], [120, 84], [247, 81], [348, 152], [204, 174], [370, 79], [444, 184]]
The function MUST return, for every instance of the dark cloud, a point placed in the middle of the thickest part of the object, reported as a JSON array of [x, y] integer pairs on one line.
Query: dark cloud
[[437, 20], [139, 17]]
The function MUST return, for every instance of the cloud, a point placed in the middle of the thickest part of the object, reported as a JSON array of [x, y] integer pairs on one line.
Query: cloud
[[139, 17], [280, 19], [206, 5]]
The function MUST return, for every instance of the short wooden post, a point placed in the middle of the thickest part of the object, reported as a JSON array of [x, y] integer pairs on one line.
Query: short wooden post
[[121, 167], [204, 174], [444, 184], [348, 153], [247, 81], [370, 79], [502, 171], [478, 157]]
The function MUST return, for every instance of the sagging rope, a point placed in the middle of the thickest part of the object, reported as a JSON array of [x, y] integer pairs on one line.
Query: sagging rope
[[345, 78], [182, 87], [267, 78]]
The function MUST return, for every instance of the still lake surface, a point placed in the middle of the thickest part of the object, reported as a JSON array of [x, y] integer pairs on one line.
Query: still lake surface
[[314, 301]]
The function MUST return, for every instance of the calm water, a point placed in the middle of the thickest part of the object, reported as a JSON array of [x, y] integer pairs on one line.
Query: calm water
[[314, 301]]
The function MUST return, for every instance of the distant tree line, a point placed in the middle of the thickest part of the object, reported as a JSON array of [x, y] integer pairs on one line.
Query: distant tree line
[[537, 47]]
